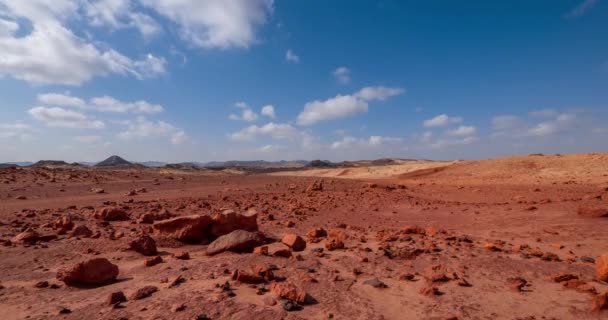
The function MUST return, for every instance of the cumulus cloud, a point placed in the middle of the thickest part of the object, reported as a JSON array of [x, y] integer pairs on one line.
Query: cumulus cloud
[[100, 104], [463, 131], [246, 113], [546, 128], [215, 23], [62, 118], [88, 139], [143, 128], [10, 130], [372, 141], [52, 54], [274, 130], [120, 14], [268, 111], [505, 122], [441, 120], [290, 56], [342, 106], [342, 74]]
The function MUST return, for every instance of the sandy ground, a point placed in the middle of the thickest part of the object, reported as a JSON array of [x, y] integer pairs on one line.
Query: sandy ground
[[471, 219]]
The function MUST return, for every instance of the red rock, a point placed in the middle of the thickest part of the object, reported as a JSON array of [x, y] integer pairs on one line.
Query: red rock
[[229, 220], [278, 249], [81, 231], [317, 233], [111, 214], [600, 302], [430, 291], [184, 255], [261, 250], [316, 185], [236, 241], [516, 283], [64, 223], [601, 267], [246, 277], [189, 228], [96, 271], [263, 270], [492, 246], [588, 212], [437, 273], [563, 277], [143, 293], [295, 242], [27, 236], [335, 240], [153, 261], [116, 297], [144, 245], [287, 290]]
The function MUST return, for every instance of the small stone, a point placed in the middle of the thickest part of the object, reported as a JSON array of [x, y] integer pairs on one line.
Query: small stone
[[144, 245], [42, 284], [184, 255], [374, 282], [143, 293], [178, 307], [116, 297], [152, 261], [289, 305], [270, 301]]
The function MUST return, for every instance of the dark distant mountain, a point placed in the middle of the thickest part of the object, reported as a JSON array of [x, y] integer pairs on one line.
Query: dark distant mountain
[[18, 164], [50, 163], [153, 164], [321, 164], [256, 164], [114, 161]]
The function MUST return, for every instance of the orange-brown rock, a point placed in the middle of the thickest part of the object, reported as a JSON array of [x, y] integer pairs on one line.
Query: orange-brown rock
[[295, 242], [228, 221], [96, 271], [144, 245], [601, 267], [589, 212], [193, 228], [290, 291], [111, 214]]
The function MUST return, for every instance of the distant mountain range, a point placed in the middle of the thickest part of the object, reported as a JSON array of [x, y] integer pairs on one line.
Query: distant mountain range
[[116, 161]]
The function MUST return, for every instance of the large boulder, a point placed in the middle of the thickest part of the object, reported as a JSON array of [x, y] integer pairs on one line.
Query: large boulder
[[111, 214], [193, 228], [228, 221], [96, 271], [236, 241], [144, 245]]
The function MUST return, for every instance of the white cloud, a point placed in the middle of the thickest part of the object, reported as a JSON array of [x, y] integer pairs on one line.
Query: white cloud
[[11, 130], [268, 110], [274, 130], [58, 99], [343, 105], [110, 104], [61, 118], [246, 114], [342, 74], [52, 54], [582, 8], [505, 122], [142, 128], [290, 56], [100, 104], [372, 141], [445, 142], [463, 131], [215, 23], [547, 128], [270, 148], [120, 14], [378, 93], [441, 120], [544, 113], [88, 139], [179, 137]]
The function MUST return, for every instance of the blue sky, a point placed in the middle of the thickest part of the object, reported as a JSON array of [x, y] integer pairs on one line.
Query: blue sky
[[201, 80]]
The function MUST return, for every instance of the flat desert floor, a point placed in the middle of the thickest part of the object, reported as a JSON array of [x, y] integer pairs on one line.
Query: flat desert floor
[[510, 238]]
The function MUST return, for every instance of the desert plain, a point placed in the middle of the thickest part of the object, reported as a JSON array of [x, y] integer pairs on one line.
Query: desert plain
[[522, 237]]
